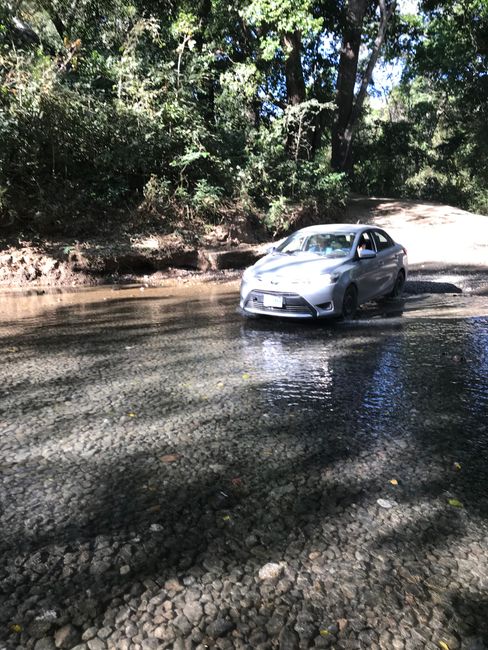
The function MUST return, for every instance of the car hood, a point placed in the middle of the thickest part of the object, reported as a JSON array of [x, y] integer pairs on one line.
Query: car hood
[[295, 265]]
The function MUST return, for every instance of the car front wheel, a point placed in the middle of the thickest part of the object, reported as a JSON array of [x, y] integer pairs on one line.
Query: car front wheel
[[350, 303]]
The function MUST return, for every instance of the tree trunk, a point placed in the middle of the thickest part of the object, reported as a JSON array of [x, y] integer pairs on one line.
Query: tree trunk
[[295, 84], [349, 110], [297, 133], [208, 98], [55, 18], [346, 80]]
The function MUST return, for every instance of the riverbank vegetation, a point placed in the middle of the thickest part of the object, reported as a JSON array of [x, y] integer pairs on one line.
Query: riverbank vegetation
[[170, 115]]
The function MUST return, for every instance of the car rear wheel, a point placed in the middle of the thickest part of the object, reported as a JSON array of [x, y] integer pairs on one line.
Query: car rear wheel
[[350, 303], [397, 290]]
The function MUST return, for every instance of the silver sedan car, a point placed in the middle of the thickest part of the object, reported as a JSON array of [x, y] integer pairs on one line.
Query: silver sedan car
[[325, 271]]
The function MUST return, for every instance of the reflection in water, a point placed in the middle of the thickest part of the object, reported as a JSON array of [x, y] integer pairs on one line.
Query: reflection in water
[[385, 397], [475, 356], [333, 379], [293, 371], [425, 381]]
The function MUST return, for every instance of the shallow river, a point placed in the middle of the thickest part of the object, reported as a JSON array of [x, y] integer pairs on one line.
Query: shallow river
[[173, 473]]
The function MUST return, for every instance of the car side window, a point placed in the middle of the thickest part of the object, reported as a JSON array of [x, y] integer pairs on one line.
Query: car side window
[[382, 240], [365, 242]]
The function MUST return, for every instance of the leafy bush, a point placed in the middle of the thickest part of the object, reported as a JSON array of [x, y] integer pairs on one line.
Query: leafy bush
[[479, 201], [277, 218], [206, 198]]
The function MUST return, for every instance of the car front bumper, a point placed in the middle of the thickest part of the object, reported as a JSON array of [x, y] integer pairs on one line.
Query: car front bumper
[[277, 301]]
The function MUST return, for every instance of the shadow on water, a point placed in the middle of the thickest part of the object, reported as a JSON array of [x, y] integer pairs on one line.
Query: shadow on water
[[430, 286], [251, 441]]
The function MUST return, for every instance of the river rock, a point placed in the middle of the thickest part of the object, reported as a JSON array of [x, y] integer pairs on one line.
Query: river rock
[[218, 628], [271, 571], [67, 637]]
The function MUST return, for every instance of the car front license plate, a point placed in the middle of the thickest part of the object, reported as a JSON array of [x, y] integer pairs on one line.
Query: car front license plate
[[272, 301]]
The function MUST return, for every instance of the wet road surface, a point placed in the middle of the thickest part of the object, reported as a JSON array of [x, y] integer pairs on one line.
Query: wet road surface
[[176, 476]]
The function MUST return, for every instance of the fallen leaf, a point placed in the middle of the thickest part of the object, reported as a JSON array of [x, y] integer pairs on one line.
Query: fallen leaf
[[443, 645], [226, 517], [456, 467], [342, 624], [393, 481], [455, 503], [169, 458], [12, 349], [245, 375], [236, 481], [131, 415], [15, 627], [155, 508], [324, 632]]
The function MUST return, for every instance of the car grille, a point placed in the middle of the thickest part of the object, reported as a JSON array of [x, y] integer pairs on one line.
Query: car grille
[[292, 303]]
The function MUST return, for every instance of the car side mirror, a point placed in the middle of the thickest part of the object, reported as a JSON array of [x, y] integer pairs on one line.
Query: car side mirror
[[366, 254]]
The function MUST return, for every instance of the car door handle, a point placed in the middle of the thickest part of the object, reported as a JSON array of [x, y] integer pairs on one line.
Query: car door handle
[[381, 264]]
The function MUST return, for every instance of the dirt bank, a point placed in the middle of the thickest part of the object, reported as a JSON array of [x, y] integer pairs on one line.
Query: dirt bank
[[438, 237]]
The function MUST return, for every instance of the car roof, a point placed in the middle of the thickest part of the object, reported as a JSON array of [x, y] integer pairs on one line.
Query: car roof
[[337, 228]]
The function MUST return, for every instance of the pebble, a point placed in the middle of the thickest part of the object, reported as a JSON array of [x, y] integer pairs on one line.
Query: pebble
[[218, 628], [66, 637], [270, 571], [46, 643], [385, 503]]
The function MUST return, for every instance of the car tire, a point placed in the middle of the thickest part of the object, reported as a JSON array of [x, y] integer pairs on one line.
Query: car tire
[[397, 290], [350, 303]]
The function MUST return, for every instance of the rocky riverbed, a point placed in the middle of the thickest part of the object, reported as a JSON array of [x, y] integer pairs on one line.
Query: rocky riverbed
[[173, 476]]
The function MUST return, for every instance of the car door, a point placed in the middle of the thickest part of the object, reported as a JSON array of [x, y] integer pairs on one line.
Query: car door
[[367, 274], [386, 255]]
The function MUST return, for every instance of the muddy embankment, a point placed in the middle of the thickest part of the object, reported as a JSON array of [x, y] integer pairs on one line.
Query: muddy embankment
[[439, 239], [62, 264]]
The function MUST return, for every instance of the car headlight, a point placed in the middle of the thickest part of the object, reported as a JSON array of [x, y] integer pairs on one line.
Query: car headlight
[[329, 278], [322, 279]]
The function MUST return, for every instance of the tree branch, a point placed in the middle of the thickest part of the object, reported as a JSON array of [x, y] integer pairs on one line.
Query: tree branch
[[386, 14]]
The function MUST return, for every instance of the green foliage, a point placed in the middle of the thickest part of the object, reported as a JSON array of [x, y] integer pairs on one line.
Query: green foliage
[[280, 17], [157, 194], [206, 198], [277, 218], [173, 110], [426, 145]]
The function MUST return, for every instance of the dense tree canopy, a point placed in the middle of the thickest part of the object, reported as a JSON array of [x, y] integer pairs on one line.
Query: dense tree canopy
[[175, 110]]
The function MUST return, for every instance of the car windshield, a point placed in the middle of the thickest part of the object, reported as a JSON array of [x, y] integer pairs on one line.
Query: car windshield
[[325, 244]]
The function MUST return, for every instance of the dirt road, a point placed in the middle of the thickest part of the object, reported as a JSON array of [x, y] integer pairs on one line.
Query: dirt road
[[435, 235]]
